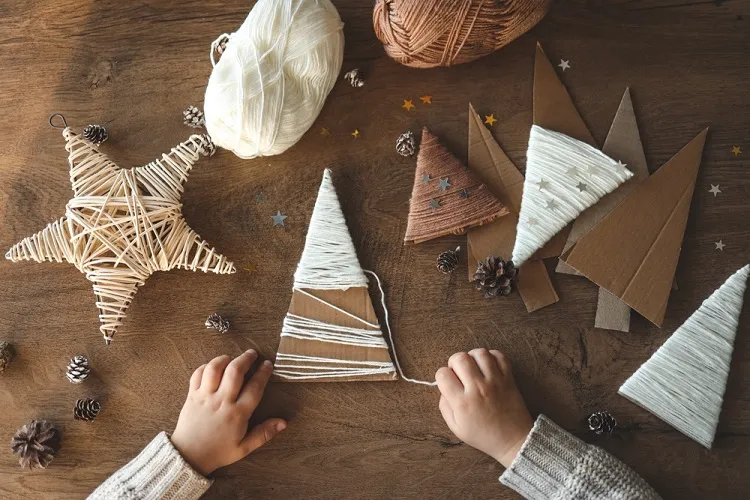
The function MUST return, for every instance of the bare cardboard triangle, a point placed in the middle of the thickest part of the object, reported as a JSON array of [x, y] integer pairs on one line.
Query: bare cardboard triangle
[[623, 142], [683, 383], [447, 198], [493, 167], [331, 332], [633, 251]]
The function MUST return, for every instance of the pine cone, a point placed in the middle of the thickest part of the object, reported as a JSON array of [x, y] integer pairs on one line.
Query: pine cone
[[95, 134], [208, 148], [222, 45], [602, 422], [495, 276], [86, 409], [355, 78], [194, 117], [78, 369], [6, 354], [406, 144], [448, 260], [218, 323], [35, 444]]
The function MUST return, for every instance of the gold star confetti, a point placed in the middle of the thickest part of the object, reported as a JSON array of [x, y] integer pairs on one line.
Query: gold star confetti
[[426, 99], [736, 150], [490, 119], [407, 105], [325, 132], [355, 134]]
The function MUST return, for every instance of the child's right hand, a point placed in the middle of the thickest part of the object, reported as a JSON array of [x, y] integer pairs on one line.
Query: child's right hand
[[212, 429], [481, 403]]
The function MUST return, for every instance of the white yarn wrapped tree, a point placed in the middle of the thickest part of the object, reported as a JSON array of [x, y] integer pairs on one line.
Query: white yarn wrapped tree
[[564, 177], [683, 383], [274, 76]]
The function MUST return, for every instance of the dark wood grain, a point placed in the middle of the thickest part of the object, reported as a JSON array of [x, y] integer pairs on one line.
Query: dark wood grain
[[136, 65]]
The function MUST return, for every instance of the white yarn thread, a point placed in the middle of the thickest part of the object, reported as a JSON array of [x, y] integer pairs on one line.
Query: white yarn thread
[[288, 366], [274, 76], [329, 260], [683, 383], [300, 327], [559, 163]]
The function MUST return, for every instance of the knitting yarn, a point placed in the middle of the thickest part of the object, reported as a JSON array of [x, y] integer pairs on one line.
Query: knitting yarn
[[429, 33], [273, 76]]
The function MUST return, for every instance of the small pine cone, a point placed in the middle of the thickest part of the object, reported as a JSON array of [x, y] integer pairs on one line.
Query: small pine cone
[[95, 134], [35, 444], [6, 354], [194, 117], [207, 148], [495, 277], [602, 422], [78, 369], [448, 260], [355, 78], [218, 323], [406, 144], [222, 45], [86, 409]]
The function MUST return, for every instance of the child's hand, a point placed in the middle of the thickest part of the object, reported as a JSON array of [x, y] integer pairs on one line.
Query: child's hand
[[212, 429], [481, 403]]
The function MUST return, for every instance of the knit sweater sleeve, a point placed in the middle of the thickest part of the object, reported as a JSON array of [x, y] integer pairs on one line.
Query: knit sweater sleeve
[[553, 464], [158, 472]]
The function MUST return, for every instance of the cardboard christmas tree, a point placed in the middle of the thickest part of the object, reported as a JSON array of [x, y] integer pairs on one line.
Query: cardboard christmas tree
[[565, 172], [633, 251], [493, 167], [331, 332], [447, 198], [624, 142], [683, 383]]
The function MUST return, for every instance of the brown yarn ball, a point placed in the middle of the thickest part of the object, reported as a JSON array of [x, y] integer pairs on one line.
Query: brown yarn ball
[[429, 33]]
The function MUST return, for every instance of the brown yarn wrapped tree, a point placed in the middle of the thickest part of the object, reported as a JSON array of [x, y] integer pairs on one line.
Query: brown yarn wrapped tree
[[447, 198], [429, 33]]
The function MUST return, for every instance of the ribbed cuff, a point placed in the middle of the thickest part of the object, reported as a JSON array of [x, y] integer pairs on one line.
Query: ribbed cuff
[[158, 472], [546, 459]]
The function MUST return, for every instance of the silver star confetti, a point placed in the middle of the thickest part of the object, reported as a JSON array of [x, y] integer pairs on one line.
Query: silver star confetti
[[542, 184], [572, 171], [714, 190], [532, 221], [564, 64], [582, 187], [426, 179], [719, 245], [552, 205], [434, 204], [444, 184], [464, 194], [260, 197], [278, 219], [591, 170]]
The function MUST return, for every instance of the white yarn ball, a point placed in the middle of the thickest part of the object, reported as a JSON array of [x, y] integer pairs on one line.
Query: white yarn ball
[[274, 75]]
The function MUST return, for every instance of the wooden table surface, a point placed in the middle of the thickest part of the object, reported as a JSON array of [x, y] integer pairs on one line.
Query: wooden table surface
[[136, 65]]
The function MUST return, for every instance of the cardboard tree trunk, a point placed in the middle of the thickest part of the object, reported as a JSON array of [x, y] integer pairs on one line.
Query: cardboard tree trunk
[[331, 288], [436, 209], [683, 383], [623, 142], [633, 251]]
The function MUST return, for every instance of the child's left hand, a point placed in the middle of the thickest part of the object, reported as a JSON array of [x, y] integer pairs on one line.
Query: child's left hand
[[212, 429]]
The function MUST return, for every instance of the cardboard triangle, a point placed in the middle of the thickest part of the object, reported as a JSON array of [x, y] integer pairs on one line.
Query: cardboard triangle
[[330, 293], [437, 209], [683, 383], [623, 142], [493, 167], [633, 251]]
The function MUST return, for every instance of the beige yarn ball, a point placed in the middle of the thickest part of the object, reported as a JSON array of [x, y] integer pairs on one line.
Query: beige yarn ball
[[429, 33], [274, 76]]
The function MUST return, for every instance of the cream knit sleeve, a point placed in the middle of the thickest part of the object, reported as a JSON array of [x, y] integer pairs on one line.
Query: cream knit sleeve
[[158, 472], [554, 464]]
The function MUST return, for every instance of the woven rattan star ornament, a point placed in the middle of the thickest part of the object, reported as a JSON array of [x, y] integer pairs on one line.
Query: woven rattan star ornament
[[123, 224]]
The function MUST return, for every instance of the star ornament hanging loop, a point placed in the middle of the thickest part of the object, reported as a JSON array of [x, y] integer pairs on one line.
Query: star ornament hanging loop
[[123, 224]]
